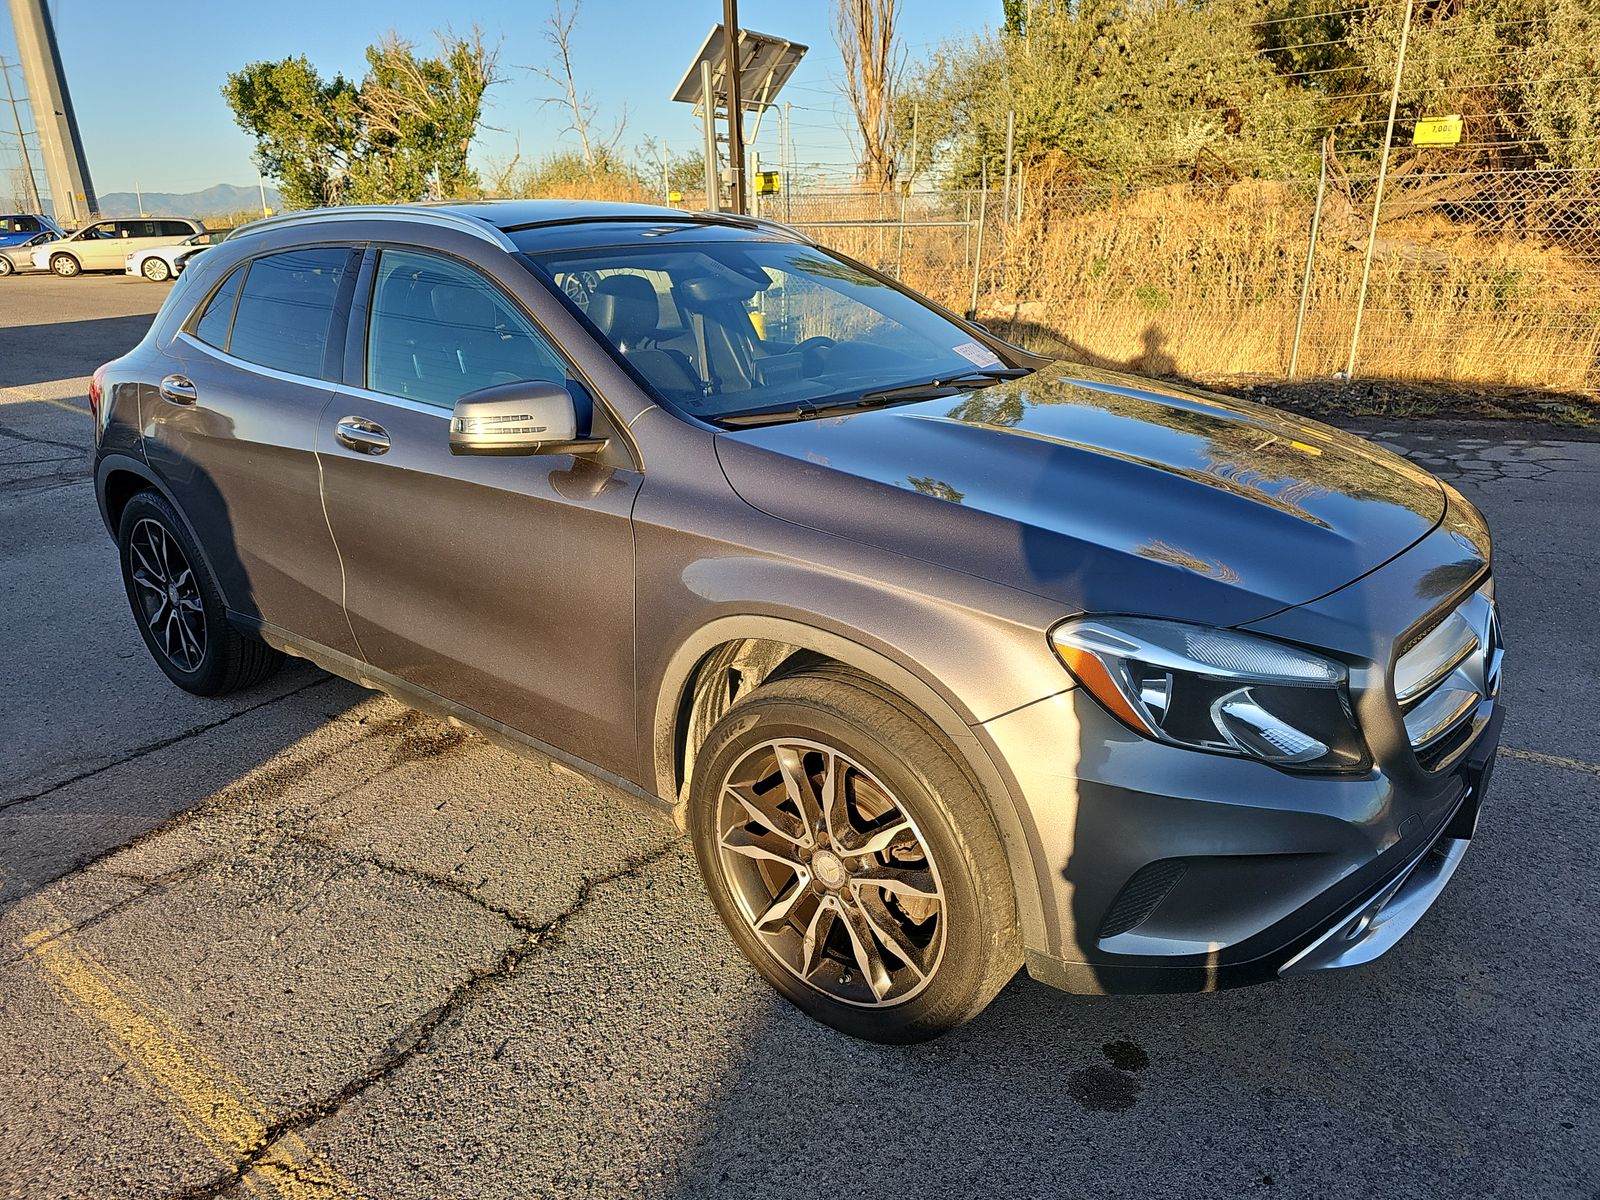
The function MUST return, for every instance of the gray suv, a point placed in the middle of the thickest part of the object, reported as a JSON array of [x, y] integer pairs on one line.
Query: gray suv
[[949, 657]]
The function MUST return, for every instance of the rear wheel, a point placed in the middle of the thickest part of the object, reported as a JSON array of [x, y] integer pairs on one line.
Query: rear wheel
[[65, 265], [852, 859], [178, 607], [156, 270]]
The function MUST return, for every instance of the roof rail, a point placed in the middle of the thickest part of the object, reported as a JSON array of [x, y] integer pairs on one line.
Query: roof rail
[[383, 212], [681, 216]]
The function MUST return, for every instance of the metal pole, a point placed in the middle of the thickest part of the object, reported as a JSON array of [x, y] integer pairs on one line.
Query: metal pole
[[22, 142], [905, 189], [977, 258], [1377, 199], [1005, 192], [1311, 257], [730, 35], [788, 166], [708, 103], [261, 183]]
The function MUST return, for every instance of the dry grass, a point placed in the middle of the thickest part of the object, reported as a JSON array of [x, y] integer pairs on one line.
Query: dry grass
[[1207, 285]]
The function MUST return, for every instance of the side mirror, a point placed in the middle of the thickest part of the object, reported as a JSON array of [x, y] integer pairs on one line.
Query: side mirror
[[519, 418]]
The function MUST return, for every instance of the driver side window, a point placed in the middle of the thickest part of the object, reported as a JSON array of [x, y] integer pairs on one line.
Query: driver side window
[[440, 329]]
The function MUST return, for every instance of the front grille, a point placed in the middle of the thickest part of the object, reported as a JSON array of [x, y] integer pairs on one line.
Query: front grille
[[1446, 675]]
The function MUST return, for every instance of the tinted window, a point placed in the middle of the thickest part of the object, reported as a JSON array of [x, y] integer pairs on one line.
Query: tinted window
[[439, 330], [19, 225], [212, 327], [174, 228], [285, 308]]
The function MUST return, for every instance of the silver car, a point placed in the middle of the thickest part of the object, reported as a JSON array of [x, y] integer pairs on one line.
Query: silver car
[[949, 657]]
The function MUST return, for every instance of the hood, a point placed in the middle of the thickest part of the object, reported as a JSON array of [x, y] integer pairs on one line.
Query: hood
[[1100, 491]]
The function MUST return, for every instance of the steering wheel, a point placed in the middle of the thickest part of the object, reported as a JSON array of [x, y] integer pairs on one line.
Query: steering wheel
[[810, 364]]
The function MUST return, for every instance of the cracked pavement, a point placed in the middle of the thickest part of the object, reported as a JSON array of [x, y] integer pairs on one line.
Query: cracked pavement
[[305, 943]]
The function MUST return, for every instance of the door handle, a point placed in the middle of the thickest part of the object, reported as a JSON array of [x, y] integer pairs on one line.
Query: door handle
[[361, 435], [178, 389]]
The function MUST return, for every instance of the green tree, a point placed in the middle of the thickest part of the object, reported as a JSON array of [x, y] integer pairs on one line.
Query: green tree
[[403, 133]]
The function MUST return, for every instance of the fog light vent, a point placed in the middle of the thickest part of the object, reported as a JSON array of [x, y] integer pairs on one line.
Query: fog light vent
[[1142, 895]]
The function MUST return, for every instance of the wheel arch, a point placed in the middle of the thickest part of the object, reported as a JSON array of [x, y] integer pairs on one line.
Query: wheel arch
[[118, 478], [696, 688]]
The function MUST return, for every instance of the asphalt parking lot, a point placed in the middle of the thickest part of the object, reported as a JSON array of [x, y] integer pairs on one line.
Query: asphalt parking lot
[[302, 942]]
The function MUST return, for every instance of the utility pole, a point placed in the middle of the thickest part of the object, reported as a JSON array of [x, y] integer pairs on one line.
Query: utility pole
[[22, 142], [730, 34], [708, 102], [71, 192], [261, 182]]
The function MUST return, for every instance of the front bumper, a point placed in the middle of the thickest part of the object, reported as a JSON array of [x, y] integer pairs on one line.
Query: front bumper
[[1280, 886]]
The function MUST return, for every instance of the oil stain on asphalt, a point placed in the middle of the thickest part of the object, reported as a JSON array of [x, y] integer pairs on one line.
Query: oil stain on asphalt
[[1112, 1088]]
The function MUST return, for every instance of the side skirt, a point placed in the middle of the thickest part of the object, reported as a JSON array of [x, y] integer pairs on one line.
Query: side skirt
[[434, 705]]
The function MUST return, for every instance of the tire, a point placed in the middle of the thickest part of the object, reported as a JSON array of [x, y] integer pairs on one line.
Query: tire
[[6, 266], [65, 265], [155, 269], [911, 861], [177, 606]]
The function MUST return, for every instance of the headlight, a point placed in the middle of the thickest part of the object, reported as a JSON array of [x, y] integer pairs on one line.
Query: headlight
[[1216, 690]]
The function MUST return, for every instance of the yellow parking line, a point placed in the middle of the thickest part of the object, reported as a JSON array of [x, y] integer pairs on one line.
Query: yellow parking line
[[213, 1105]]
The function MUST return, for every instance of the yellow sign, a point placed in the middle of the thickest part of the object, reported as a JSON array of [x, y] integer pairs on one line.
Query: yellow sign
[[674, 197], [767, 183], [1437, 131]]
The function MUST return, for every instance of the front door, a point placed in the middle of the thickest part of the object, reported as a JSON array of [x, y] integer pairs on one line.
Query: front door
[[232, 429], [504, 584]]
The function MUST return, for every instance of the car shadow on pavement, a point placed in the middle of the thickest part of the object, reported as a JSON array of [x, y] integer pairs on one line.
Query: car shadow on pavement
[[47, 352]]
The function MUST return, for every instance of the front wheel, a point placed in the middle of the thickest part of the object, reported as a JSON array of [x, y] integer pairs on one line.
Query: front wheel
[[65, 266], [156, 270], [852, 859], [6, 266], [179, 608]]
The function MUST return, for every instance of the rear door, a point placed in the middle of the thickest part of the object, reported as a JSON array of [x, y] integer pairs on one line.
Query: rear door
[[232, 434], [503, 584]]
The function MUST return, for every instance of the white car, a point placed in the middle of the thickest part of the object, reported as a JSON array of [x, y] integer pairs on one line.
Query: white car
[[160, 263]]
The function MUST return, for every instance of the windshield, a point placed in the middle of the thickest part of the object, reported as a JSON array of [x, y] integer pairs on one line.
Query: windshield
[[723, 328]]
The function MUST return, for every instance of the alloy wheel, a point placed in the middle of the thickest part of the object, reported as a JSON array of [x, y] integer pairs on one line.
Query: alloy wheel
[[831, 872], [168, 594]]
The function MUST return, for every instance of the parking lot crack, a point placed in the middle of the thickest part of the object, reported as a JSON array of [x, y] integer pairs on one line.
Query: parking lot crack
[[417, 1037], [154, 747]]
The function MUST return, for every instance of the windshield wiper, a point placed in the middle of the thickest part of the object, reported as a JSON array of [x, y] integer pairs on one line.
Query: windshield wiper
[[930, 390], [943, 387]]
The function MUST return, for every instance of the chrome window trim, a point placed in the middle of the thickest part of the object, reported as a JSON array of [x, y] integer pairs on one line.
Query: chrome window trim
[[378, 212], [245, 364]]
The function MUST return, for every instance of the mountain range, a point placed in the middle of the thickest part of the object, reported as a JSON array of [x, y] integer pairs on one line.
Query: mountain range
[[222, 199]]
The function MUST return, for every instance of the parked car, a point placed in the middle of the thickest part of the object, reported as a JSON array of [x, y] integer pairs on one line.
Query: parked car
[[160, 263], [19, 257], [17, 228], [105, 245], [949, 657]]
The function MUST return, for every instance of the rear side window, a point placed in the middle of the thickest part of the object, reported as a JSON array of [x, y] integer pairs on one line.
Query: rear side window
[[212, 327], [19, 225], [439, 330], [175, 228], [285, 309]]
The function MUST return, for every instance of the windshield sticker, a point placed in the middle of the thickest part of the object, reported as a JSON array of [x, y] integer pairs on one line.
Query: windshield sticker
[[978, 354]]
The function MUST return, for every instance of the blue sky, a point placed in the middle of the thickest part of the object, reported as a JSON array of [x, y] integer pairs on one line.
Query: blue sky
[[145, 79]]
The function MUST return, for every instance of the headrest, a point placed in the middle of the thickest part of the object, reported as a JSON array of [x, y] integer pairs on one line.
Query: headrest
[[626, 309], [455, 304]]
